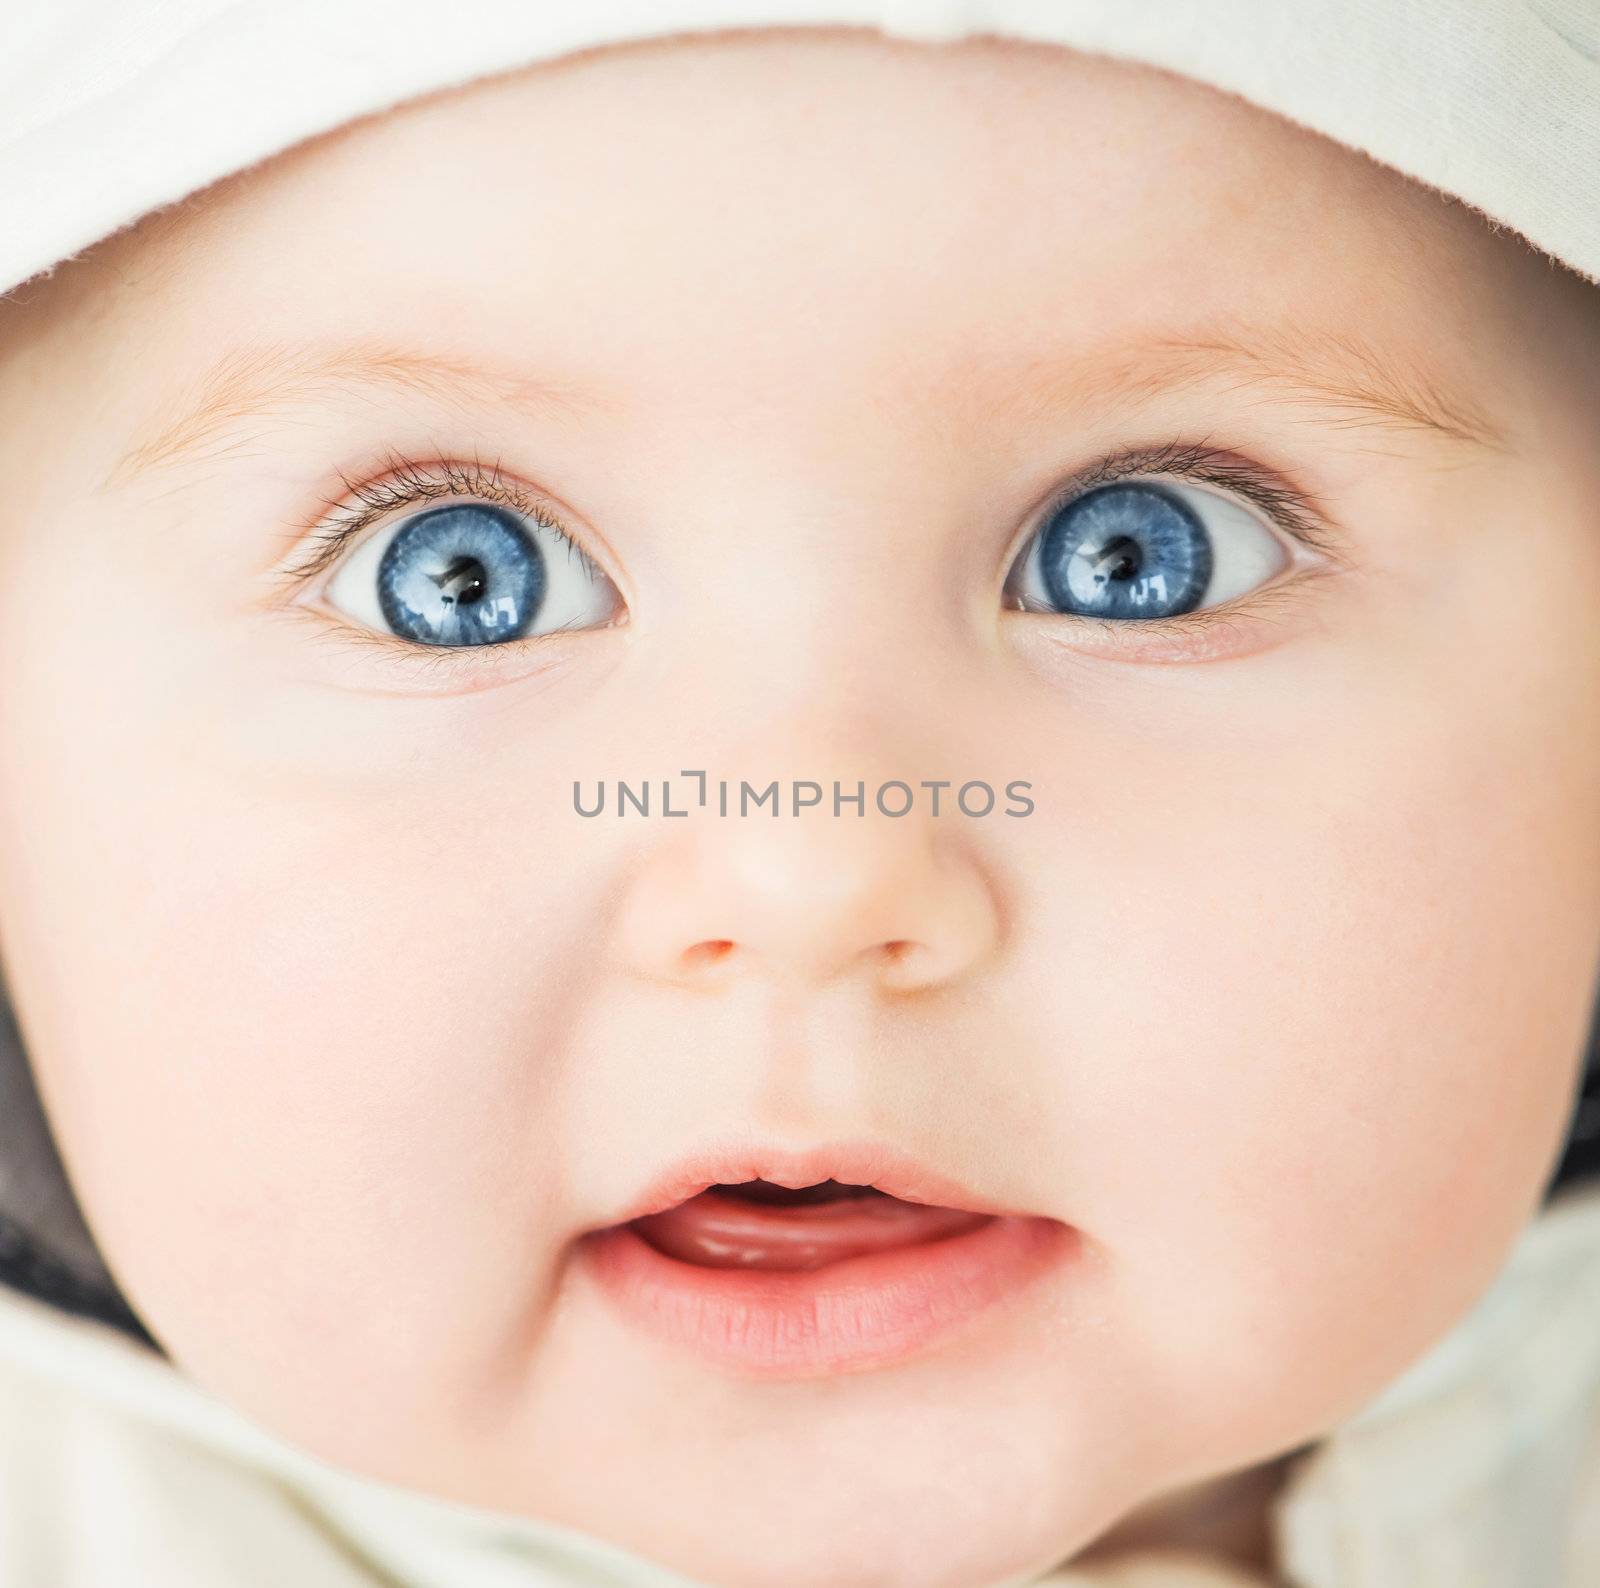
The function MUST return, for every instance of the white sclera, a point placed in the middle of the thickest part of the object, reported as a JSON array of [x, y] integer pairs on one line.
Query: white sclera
[[575, 595], [1245, 551]]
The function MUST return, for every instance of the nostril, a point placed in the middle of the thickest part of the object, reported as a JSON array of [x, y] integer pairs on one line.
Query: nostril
[[907, 964], [710, 952]]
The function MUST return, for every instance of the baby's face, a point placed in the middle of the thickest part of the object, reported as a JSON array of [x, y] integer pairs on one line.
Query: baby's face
[[353, 1028]]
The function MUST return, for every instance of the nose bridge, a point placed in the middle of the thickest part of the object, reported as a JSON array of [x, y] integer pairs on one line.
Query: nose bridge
[[839, 853]]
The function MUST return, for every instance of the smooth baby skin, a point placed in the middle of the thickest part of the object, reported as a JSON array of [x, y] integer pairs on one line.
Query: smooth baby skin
[[350, 1026]]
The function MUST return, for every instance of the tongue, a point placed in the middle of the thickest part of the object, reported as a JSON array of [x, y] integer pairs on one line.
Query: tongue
[[717, 1230]]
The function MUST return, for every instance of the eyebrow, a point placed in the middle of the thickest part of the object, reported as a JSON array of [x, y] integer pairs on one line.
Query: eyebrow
[[252, 382], [1336, 371], [1351, 383]]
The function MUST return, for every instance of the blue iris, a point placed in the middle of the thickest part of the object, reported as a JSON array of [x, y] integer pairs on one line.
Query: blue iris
[[465, 574], [1125, 551]]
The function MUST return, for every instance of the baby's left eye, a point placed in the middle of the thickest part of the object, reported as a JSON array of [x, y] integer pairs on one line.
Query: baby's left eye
[[472, 573], [1139, 550]]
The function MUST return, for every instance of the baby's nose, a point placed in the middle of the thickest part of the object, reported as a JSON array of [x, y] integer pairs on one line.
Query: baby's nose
[[904, 902]]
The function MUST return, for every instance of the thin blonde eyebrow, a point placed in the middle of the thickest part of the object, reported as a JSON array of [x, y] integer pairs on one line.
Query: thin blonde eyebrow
[[1349, 382], [250, 382], [1336, 371]]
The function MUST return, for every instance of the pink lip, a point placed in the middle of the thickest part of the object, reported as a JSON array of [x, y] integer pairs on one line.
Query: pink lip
[[861, 1312]]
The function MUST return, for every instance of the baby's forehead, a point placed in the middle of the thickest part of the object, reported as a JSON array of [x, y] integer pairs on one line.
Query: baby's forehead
[[989, 148], [951, 213]]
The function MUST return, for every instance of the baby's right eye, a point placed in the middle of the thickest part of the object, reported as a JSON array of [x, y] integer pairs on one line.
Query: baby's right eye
[[464, 573]]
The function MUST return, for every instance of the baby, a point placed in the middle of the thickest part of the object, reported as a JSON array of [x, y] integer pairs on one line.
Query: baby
[[808, 409]]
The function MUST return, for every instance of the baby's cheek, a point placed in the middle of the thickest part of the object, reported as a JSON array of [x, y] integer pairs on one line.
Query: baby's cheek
[[396, 1046], [300, 1055], [1312, 1064]]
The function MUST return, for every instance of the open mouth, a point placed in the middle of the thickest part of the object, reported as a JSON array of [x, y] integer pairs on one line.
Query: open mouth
[[792, 1196], [828, 1278], [797, 1276], [758, 1225]]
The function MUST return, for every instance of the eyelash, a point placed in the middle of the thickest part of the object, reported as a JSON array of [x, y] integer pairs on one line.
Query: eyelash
[[405, 483], [1289, 506]]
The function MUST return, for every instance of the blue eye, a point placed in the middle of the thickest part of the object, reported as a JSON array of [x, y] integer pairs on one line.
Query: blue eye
[[471, 573], [1140, 550]]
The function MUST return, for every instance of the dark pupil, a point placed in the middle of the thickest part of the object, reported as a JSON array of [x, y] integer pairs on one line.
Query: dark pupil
[[1120, 560], [462, 582]]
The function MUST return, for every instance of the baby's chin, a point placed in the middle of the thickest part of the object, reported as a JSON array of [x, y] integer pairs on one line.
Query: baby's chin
[[640, 1393]]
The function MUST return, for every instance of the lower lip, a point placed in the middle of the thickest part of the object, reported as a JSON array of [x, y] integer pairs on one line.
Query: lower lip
[[861, 1312]]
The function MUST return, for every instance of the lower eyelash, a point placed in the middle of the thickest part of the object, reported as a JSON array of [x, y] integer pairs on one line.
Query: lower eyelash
[[426, 664]]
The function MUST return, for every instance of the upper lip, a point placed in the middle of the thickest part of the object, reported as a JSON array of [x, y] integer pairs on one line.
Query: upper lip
[[857, 1162]]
